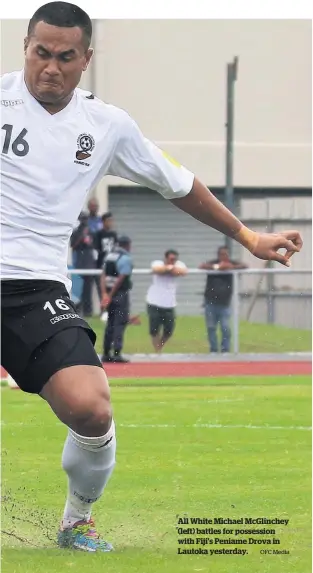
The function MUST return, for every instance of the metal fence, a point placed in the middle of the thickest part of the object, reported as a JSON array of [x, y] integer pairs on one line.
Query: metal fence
[[279, 299]]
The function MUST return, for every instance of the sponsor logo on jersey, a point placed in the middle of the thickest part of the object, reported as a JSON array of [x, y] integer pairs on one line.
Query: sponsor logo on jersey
[[67, 316], [86, 145], [11, 102]]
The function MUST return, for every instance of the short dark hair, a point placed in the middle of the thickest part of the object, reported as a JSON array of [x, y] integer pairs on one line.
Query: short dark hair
[[63, 15], [106, 216], [124, 240], [170, 252]]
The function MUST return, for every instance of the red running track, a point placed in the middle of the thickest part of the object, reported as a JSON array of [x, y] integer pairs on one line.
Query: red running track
[[204, 369]]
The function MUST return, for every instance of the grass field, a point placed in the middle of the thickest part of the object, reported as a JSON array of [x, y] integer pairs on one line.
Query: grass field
[[190, 336], [232, 447]]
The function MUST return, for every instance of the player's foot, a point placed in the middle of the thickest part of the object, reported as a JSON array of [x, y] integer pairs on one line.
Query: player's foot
[[83, 537], [106, 358], [119, 359]]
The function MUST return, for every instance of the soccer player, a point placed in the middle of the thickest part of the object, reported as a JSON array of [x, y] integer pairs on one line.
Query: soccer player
[[57, 142]]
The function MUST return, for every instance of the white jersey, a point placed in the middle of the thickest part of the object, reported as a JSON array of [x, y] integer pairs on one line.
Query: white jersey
[[162, 291], [49, 163]]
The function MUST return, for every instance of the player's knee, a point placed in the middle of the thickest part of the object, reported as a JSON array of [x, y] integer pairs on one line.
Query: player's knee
[[168, 332], [93, 416]]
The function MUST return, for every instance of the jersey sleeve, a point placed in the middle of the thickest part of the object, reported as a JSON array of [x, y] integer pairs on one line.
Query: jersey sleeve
[[180, 265], [141, 161], [156, 264], [124, 265]]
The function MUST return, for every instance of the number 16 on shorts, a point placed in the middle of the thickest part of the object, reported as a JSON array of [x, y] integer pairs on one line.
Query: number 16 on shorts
[[58, 303]]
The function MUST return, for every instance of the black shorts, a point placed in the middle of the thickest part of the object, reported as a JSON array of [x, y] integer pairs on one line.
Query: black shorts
[[159, 317], [41, 332]]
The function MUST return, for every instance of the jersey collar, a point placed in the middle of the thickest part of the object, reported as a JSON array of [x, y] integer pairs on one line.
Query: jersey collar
[[60, 115]]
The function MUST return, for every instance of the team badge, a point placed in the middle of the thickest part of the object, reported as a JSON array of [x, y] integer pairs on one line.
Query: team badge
[[85, 144]]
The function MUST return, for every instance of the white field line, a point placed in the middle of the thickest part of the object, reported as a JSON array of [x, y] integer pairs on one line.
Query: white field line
[[216, 426], [162, 426]]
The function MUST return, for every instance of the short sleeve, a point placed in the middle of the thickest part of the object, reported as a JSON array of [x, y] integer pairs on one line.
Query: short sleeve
[[124, 265], [155, 264], [180, 265], [139, 160]]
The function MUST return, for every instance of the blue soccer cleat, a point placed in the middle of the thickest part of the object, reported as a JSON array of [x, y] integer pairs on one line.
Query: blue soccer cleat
[[83, 537]]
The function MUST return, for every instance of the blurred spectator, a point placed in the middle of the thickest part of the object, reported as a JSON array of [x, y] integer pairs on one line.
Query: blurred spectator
[[115, 286], [94, 220], [217, 298], [105, 239], [83, 257], [77, 288], [161, 298]]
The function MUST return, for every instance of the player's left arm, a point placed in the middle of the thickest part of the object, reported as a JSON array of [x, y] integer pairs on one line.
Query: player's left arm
[[124, 268], [231, 265], [237, 266], [179, 269], [201, 204], [141, 161]]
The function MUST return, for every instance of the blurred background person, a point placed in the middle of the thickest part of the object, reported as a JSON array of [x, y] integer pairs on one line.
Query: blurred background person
[[217, 298], [161, 297], [115, 286], [83, 258], [105, 238], [95, 225], [94, 219]]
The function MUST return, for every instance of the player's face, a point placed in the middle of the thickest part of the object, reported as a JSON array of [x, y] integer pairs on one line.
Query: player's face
[[223, 255], [171, 259], [93, 207], [55, 59], [108, 224]]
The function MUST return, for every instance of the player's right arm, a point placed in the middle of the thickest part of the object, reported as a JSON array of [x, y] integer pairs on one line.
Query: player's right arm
[[160, 268], [141, 161], [206, 266], [179, 269]]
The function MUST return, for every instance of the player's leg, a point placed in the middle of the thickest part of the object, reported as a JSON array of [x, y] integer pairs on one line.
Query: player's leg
[[96, 279], [79, 395], [154, 316], [48, 349], [108, 334], [225, 313], [211, 324], [121, 318], [86, 295], [168, 325]]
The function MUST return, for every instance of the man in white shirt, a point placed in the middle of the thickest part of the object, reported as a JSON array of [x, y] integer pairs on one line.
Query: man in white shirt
[[57, 142], [161, 298]]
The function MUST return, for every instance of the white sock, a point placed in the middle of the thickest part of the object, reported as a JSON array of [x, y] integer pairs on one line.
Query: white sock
[[89, 463]]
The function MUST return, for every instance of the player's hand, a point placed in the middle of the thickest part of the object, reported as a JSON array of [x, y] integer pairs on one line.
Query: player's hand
[[105, 301], [224, 266], [269, 243], [135, 320]]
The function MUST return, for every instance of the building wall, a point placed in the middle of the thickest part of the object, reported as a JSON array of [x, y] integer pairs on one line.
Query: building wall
[[171, 77]]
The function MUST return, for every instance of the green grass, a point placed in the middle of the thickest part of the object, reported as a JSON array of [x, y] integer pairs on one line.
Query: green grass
[[255, 463], [190, 336]]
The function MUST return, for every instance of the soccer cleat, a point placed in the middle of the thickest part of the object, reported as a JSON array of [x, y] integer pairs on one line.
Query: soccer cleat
[[83, 537]]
